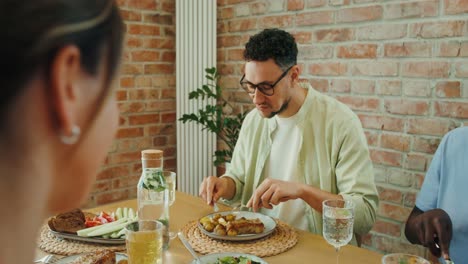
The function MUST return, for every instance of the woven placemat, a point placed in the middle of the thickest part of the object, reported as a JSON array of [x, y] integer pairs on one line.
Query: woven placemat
[[51, 244], [283, 238]]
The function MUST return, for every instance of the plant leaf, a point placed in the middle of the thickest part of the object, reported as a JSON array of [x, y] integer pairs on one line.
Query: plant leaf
[[211, 70], [212, 118]]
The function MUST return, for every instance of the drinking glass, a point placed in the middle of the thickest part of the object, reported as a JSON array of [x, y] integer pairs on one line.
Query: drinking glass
[[170, 178], [338, 220], [144, 242]]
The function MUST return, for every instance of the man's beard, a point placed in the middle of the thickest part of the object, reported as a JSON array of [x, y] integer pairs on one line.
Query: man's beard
[[283, 107]]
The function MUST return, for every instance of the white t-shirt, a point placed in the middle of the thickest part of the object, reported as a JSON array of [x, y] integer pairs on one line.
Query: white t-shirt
[[282, 165]]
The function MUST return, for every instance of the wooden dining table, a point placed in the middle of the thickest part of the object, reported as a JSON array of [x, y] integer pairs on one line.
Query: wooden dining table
[[310, 248]]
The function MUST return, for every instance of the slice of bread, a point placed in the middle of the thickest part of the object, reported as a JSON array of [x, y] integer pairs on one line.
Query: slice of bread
[[68, 222], [97, 257]]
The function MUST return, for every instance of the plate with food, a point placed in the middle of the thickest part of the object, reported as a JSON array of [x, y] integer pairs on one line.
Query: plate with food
[[237, 226], [102, 228], [230, 258], [102, 256], [99, 240], [403, 258]]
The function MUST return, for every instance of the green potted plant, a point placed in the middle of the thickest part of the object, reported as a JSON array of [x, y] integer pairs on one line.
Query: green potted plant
[[214, 117]]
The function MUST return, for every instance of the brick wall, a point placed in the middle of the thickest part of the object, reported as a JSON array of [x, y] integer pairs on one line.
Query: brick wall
[[146, 96], [400, 65]]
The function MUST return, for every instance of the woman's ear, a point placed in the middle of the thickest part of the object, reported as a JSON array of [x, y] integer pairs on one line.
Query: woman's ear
[[63, 84]]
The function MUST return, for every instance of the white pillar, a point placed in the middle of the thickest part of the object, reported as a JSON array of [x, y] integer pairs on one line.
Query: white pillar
[[195, 51]]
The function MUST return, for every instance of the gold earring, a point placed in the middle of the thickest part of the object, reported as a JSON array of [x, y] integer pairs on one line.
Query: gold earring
[[73, 138]]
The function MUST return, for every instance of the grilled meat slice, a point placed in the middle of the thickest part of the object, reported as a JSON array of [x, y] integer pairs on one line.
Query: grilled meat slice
[[245, 226]]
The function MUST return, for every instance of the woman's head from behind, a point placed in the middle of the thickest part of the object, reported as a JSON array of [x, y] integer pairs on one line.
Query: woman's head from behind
[[57, 109]]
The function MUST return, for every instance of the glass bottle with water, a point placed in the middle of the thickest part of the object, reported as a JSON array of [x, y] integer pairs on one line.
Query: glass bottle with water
[[153, 194]]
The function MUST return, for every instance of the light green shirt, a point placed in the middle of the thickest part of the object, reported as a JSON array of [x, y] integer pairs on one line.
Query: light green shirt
[[333, 157]]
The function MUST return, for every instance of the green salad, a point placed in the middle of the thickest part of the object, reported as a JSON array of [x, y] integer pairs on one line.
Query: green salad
[[235, 260]]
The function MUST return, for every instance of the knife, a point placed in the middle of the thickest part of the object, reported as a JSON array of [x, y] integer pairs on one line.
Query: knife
[[446, 258]]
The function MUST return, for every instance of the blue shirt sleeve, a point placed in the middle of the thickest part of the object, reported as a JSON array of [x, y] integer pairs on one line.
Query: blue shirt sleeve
[[427, 198], [444, 186]]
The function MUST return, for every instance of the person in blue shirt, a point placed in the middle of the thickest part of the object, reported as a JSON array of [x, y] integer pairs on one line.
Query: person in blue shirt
[[439, 220]]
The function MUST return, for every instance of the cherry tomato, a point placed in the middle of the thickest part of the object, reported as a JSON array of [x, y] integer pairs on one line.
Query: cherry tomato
[[92, 223], [102, 219], [107, 216]]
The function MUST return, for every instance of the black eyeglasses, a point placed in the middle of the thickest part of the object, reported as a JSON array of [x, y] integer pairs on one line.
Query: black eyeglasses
[[263, 87]]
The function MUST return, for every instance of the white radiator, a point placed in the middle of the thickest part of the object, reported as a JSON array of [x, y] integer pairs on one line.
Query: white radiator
[[195, 51]]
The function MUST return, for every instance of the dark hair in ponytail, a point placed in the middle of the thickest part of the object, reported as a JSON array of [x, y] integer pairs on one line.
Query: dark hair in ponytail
[[32, 32]]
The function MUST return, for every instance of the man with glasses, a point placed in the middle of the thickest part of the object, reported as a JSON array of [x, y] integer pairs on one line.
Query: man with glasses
[[297, 148]]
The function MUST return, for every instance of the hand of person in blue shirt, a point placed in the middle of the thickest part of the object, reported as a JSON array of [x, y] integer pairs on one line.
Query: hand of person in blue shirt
[[432, 229]]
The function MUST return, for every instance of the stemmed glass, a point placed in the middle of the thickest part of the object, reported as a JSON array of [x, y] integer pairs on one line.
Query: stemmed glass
[[338, 220]]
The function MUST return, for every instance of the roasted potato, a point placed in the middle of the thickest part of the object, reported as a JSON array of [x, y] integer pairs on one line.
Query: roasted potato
[[216, 217], [209, 226], [220, 230], [221, 221], [230, 217], [205, 220]]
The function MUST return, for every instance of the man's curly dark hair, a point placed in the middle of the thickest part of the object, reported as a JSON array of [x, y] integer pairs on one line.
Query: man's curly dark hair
[[274, 44]]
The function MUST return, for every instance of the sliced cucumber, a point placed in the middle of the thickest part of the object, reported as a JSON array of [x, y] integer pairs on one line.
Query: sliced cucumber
[[115, 234], [87, 231], [118, 213], [106, 229], [121, 232], [131, 213]]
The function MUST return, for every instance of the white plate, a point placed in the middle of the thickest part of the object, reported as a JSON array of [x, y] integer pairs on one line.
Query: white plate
[[212, 258], [267, 221], [396, 258], [65, 260], [100, 240]]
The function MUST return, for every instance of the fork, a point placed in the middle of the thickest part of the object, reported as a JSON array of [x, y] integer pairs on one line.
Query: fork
[[242, 207], [47, 259]]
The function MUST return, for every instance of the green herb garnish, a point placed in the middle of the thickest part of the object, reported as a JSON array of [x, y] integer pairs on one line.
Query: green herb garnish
[[154, 180]]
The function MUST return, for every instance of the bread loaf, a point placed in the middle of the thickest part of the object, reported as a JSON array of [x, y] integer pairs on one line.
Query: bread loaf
[[68, 222], [96, 257]]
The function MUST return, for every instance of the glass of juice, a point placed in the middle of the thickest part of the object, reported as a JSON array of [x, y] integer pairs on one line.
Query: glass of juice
[[144, 242]]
